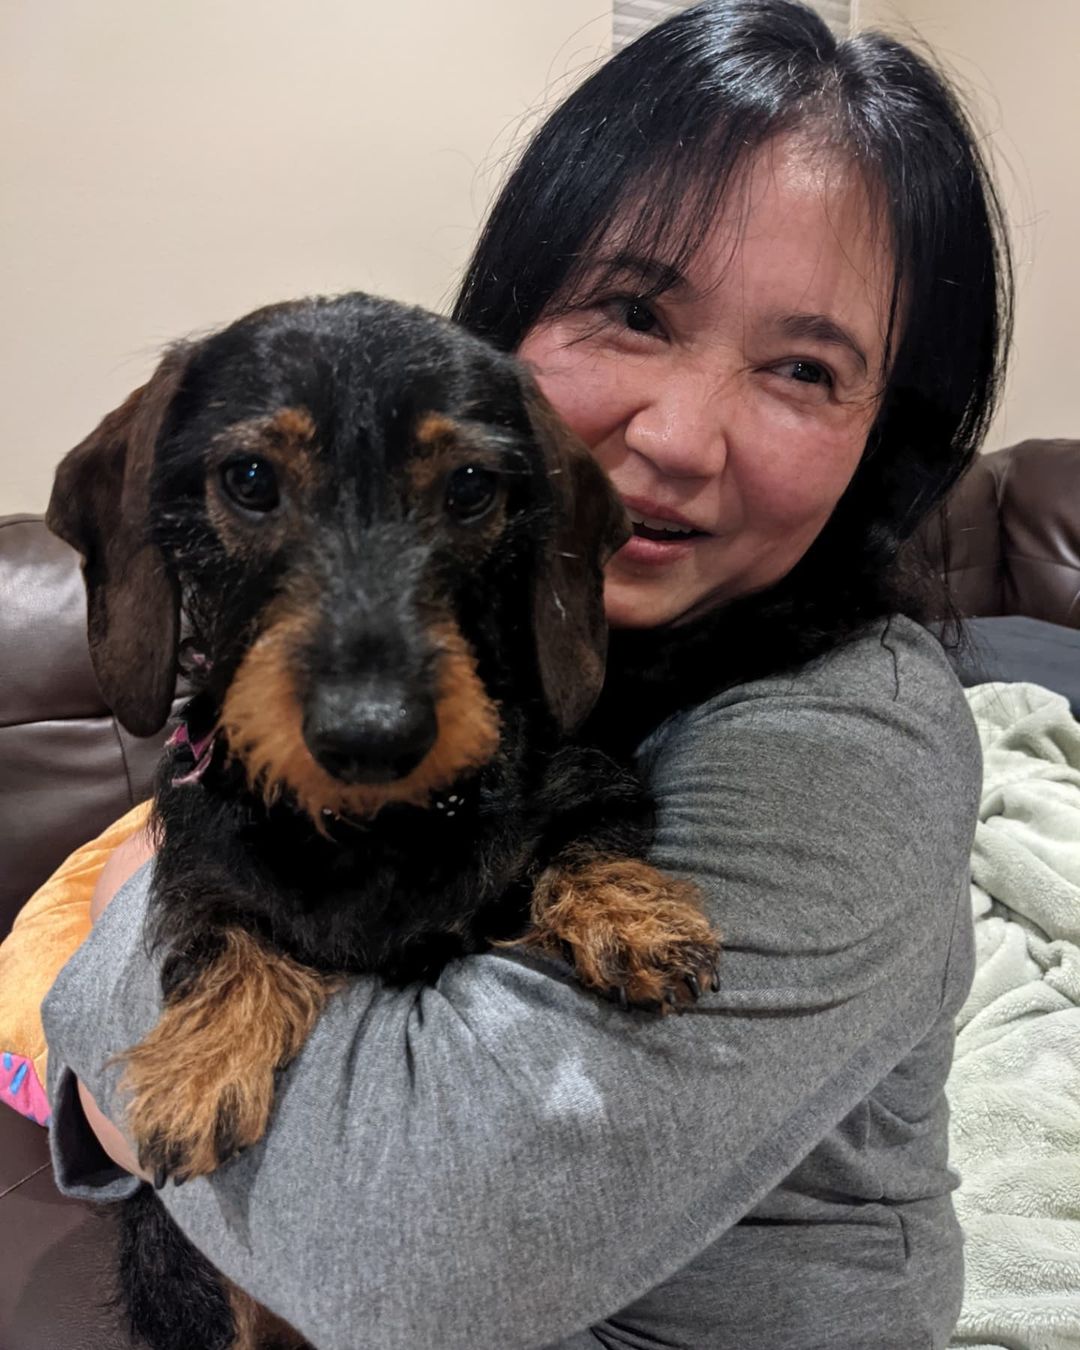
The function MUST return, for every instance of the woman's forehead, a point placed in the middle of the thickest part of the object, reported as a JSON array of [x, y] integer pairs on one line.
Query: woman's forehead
[[787, 175], [797, 232]]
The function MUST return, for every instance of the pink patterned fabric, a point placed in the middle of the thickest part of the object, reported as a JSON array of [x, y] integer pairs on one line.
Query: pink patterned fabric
[[22, 1090]]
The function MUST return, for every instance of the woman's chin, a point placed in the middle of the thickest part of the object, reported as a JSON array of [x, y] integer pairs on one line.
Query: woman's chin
[[630, 604], [649, 583], [632, 600]]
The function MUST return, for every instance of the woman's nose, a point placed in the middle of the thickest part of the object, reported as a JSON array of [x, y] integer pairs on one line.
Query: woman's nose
[[680, 425]]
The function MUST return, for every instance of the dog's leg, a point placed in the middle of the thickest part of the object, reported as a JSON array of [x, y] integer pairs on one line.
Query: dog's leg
[[258, 1329], [628, 929], [173, 1297], [201, 1084]]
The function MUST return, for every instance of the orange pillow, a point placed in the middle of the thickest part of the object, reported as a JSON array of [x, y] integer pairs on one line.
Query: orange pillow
[[48, 929]]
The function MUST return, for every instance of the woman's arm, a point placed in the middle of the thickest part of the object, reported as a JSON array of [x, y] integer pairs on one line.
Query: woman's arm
[[123, 863], [501, 1159]]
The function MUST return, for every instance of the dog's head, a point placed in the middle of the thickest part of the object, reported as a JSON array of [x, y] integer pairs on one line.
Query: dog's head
[[379, 531]]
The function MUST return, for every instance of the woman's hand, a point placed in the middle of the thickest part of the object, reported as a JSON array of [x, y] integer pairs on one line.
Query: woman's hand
[[124, 862], [108, 1136]]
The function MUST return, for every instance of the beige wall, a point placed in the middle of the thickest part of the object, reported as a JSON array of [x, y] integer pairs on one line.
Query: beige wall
[[167, 165], [1018, 62]]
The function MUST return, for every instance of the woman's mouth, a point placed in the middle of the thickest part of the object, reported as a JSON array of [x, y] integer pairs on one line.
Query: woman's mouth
[[657, 540], [665, 531]]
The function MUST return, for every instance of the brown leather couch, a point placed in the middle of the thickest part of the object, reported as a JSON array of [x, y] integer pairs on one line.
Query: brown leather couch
[[67, 769]]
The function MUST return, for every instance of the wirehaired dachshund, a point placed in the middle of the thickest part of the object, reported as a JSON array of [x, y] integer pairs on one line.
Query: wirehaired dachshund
[[378, 556]]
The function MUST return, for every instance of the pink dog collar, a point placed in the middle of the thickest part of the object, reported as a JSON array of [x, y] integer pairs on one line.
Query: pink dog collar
[[202, 750]]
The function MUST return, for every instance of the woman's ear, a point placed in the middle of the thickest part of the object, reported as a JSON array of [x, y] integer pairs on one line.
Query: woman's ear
[[100, 505], [588, 526]]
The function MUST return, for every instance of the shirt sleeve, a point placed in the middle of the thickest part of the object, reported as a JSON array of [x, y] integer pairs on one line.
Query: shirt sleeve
[[501, 1159]]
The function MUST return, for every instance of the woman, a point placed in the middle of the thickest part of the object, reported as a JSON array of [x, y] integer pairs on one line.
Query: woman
[[762, 276]]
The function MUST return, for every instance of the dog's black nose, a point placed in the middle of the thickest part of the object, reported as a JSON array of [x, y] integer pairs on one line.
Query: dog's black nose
[[368, 731]]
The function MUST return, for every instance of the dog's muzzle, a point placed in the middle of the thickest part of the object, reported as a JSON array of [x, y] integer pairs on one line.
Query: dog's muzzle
[[350, 741]]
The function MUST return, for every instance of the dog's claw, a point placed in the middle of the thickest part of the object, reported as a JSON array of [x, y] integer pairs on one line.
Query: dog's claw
[[160, 1177], [681, 984]]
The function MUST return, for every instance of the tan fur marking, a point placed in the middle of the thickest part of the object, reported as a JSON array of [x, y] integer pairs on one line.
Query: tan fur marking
[[214, 1052], [237, 541], [285, 437], [625, 926], [438, 443], [256, 1327], [434, 429], [293, 424], [263, 724]]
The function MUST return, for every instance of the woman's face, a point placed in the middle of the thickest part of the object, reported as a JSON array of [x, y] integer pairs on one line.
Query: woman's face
[[731, 410]]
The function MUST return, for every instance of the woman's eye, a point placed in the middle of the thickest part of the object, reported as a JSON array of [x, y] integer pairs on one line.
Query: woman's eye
[[807, 372], [251, 483], [638, 316], [627, 312], [471, 492]]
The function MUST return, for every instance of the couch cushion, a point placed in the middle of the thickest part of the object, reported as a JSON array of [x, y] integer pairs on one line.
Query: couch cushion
[[56, 1255], [61, 783], [67, 769], [963, 540], [47, 663], [1040, 530]]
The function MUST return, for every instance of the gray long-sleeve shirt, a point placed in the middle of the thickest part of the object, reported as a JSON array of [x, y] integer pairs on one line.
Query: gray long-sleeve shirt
[[503, 1160]]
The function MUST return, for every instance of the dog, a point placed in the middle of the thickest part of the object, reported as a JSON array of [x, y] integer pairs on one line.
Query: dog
[[378, 555]]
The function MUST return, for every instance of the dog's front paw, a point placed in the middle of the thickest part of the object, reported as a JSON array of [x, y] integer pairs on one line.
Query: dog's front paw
[[629, 931], [195, 1101], [194, 1137], [201, 1085]]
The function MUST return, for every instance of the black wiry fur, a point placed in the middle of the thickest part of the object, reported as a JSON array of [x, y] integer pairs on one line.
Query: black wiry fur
[[173, 1296]]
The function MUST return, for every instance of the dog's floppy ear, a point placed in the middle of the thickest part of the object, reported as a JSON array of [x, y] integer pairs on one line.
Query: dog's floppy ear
[[568, 600], [100, 506]]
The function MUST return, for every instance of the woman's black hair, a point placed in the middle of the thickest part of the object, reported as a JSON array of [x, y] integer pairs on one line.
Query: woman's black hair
[[657, 135]]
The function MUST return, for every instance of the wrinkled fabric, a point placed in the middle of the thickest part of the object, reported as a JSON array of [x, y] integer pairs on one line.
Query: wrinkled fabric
[[1015, 1084]]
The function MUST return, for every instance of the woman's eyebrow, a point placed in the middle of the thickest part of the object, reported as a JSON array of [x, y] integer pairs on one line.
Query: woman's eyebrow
[[819, 328], [658, 276]]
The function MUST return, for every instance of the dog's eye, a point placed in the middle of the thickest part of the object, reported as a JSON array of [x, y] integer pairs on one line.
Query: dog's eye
[[251, 483], [471, 492]]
